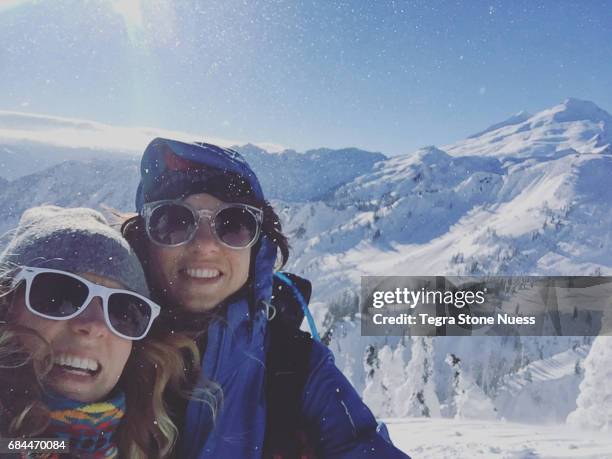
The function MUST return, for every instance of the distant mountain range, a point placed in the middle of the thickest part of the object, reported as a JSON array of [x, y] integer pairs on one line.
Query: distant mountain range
[[35, 144], [527, 195]]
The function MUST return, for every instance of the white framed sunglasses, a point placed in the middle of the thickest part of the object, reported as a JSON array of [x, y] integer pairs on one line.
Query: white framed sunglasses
[[172, 223], [60, 295]]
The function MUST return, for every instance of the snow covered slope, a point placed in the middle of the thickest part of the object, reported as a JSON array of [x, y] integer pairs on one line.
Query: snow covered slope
[[424, 438], [544, 391]]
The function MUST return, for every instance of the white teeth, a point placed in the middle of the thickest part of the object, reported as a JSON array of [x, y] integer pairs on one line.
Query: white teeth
[[202, 273], [76, 362]]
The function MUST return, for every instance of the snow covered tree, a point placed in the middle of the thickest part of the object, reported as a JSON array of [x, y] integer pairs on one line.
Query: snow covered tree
[[449, 409], [395, 375], [375, 394], [594, 404], [468, 400], [384, 374], [417, 396]]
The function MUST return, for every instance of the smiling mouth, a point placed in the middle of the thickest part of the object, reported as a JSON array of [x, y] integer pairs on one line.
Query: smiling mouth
[[200, 273], [77, 365]]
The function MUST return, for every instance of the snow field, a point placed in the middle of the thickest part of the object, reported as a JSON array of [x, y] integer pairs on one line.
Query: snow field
[[424, 438]]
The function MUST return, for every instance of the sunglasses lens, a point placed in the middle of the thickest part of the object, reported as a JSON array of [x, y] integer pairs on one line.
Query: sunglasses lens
[[57, 295], [129, 314], [171, 224], [236, 226]]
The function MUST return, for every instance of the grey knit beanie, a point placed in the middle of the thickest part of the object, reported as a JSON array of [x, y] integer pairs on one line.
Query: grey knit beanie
[[77, 240]]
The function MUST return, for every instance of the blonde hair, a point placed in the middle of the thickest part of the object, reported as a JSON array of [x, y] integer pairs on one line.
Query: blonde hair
[[156, 368]]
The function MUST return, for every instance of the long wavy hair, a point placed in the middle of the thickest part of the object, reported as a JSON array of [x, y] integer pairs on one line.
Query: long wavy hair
[[157, 367]]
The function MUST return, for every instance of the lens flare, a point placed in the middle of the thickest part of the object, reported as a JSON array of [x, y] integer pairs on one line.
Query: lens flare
[[130, 11]]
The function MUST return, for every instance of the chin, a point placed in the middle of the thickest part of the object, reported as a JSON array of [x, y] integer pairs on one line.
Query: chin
[[77, 396], [198, 306]]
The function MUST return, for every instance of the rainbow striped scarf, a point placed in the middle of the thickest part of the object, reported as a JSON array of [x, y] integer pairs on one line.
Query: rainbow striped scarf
[[89, 427]]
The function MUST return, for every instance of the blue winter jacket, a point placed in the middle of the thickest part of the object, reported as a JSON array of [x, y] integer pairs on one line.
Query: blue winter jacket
[[235, 358]]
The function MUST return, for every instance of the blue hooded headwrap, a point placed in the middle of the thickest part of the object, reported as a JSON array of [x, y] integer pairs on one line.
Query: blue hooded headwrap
[[170, 169]]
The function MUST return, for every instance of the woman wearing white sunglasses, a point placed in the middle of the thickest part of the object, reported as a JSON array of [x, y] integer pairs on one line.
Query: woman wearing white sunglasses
[[74, 361]]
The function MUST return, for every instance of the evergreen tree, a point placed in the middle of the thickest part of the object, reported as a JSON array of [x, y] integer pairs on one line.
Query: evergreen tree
[[417, 396], [468, 400], [375, 394], [594, 403]]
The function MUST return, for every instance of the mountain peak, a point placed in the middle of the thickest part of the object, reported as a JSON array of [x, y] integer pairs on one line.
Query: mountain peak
[[573, 125], [249, 148], [575, 103], [430, 154], [573, 109]]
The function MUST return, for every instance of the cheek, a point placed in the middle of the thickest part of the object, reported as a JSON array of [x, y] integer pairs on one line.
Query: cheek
[[121, 350], [46, 328], [163, 262], [242, 261]]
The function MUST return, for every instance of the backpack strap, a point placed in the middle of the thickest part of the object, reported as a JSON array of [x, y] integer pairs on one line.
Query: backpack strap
[[287, 363], [291, 281]]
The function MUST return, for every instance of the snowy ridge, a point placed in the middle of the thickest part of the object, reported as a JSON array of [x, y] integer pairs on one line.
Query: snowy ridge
[[514, 119], [311, 175], [555, 367]]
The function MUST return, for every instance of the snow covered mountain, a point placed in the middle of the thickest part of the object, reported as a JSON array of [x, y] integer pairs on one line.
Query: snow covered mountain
[[529, 195], [572, 125], [432, 212], [310, 175], [32, 144], [24, 158], [70, 184]]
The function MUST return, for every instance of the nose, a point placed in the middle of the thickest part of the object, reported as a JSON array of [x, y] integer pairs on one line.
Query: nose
[[91, 321], [204, 241]]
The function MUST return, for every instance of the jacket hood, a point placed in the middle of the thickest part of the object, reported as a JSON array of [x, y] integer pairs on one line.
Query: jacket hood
[[171, 169]]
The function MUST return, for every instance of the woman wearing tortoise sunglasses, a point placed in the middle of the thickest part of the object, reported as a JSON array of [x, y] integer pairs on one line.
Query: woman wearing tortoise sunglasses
[[208, 240], [74, 360]]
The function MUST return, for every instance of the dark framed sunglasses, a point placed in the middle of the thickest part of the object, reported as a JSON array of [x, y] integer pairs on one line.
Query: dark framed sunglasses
[[173, 223], [60, 295]]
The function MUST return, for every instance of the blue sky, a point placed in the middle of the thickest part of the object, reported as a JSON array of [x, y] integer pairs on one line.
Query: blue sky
[[387, 76]]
